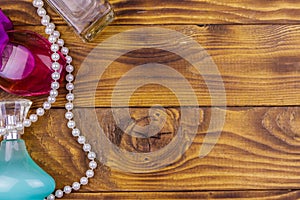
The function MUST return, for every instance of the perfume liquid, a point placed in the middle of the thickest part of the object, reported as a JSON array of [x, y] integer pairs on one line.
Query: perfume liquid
[[26, 64], [87, 17]]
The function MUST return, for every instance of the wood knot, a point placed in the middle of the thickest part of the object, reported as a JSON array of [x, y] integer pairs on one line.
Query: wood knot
[[156, 128], [284, 123], [147, 130]]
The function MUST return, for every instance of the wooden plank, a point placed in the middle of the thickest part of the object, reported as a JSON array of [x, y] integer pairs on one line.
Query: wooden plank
[[258, 149], [257, 155], [263, 195], [179, 12], [259, 66]]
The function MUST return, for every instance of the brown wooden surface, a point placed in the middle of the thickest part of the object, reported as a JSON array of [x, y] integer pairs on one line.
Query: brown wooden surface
[[255, 45], [263, 195], [180, 12], [259, 65], [258, 149]]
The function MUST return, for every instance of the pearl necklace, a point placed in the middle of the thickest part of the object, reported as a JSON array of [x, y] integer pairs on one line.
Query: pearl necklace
[[58, 44]]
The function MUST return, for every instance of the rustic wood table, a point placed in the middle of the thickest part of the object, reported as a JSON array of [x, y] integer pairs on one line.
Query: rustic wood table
[[254, 43]]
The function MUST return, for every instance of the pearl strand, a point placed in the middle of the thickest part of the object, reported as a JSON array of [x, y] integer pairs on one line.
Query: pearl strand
[[58, 43]]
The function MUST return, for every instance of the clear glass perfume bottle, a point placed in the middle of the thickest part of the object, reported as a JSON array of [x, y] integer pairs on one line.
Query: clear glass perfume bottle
[[87, 17]]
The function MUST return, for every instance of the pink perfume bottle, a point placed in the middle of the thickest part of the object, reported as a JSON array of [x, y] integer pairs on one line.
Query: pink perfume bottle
[[87, 17], [26, 64]]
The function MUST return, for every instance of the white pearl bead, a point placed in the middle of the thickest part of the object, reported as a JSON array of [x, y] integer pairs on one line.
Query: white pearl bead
[[69, 68], [56, 34], [51, 197], [65, 50], [55, 66], [67, 189], [70, 97], [2, 131], [89, 173], [86, 147], [92, 155], [71, 124], [48, 30], [19, 126], [45, 20], [52, 39], [53, 93], [76, 132], [69, 115], [55, 76], [69, 59], [51, 99], [70, 86], [84, 181], [54, 47], [55, 56], [40, 111], [59, 193], [54, 85], [46, 105], [81, 139], [33, 117], [51, 25], [76, 186], [60, 42], [27, 123], [93, 165], [38, 3], [69, 106], [69, 77], [41, 12]]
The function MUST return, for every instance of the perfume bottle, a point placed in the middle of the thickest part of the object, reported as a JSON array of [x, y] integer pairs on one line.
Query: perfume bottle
[[87, 17], [20, 177], [25, 64], [5, 21]]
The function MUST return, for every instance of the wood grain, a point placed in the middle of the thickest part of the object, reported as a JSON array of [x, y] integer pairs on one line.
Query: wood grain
[[255, 45], [179, 12], [259, 66], [258, 149], [263, 195]]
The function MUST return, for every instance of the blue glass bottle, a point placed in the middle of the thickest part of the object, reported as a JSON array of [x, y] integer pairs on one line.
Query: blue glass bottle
[[20, 177]]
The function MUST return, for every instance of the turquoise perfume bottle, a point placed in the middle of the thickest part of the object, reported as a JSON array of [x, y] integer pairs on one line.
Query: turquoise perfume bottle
[[20, 177]]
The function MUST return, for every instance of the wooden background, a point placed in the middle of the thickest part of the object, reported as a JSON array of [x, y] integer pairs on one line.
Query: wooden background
[[255, 44]]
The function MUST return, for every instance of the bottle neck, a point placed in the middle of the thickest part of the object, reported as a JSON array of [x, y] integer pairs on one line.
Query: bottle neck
[[12, 150], [13, 135]]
